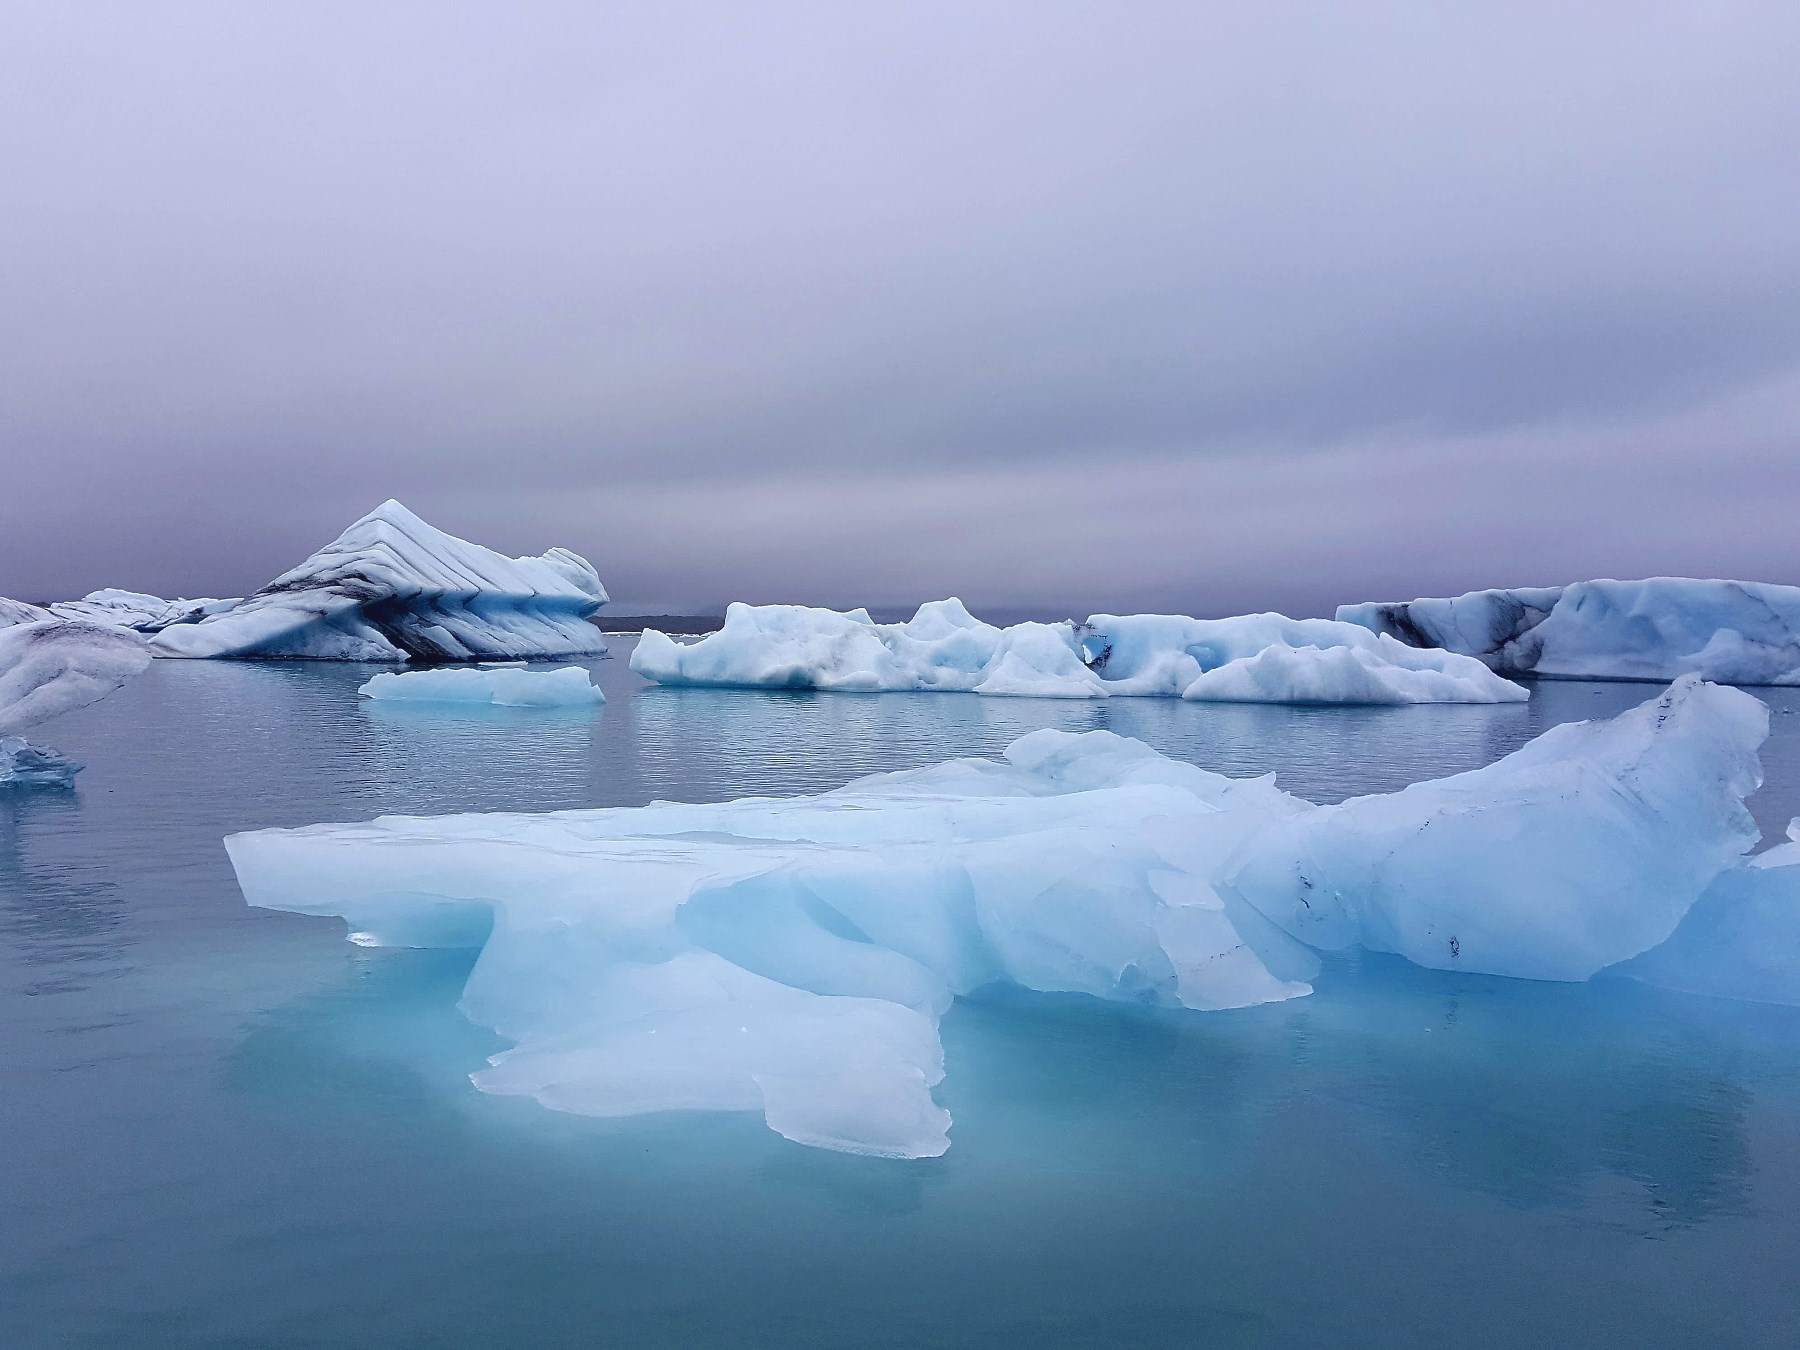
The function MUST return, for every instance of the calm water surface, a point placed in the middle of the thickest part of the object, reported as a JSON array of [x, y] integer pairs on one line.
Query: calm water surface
[[224, 1127]]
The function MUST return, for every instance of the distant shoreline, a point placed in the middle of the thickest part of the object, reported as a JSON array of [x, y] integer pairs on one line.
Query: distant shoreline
[[629, 625]]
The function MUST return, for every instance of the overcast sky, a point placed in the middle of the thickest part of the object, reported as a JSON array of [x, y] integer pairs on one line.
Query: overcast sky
[[1198, 307]]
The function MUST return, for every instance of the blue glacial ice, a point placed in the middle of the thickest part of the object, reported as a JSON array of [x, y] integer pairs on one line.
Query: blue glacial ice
[[1737, 632], [392, 588], [793, 956], [502, 687], [1265, 658]]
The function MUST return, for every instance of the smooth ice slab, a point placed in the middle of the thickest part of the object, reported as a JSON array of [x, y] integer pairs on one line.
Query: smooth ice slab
[[792, 956], [1737, 632], [1252, 658], [392, 588], [51, 666], [512, 687]]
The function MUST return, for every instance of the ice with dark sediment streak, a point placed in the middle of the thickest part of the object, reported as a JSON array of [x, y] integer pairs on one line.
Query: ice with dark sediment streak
[[48, 667], [793, 956], [1737, 632], [1264, 658], [392, 588]]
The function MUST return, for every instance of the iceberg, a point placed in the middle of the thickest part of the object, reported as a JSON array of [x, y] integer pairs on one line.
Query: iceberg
[[793, 956], [51, 666], [1270, 658], [134, 609], [1257, 657], [1736, 632], [392, 588], [508, 687], [26, 765]]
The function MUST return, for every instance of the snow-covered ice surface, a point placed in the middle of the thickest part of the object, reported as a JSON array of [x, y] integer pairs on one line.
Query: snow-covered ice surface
[[1737, 632], [50, 666], [135, 609], [502, 687], [1262, 658], [793, 956], [392, 588], [17, 611]]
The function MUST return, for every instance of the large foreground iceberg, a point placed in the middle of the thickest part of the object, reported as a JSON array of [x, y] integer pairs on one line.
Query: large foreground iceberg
[[49, 667], [1738, 632], [1264, 658], [392, 588], [567, 687], [793, 956]]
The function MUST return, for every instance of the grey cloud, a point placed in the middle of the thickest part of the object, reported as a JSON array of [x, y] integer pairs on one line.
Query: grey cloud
[[718, 294]]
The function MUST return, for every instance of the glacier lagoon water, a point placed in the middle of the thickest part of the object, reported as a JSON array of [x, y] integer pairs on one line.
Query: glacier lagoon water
[[225, 1127]]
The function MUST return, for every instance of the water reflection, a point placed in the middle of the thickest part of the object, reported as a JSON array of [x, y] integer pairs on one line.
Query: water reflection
[[1526, 1092], [229, 1127], [421, 759]]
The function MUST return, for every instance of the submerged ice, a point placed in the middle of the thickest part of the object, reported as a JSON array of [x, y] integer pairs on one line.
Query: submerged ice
[[566, 687], [793, 956], [392, 588], [1265, 658]]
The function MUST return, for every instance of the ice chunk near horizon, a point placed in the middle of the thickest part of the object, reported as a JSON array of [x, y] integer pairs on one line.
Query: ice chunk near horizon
[[793, 955], [135, 609], [1735, 632], [392, 588], [799, 647], [1742, 937], [1270, 658], [1257, 657], [495, 686]]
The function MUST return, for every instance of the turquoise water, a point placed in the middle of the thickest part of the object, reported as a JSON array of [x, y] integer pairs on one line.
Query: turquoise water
[[224, 1127]]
